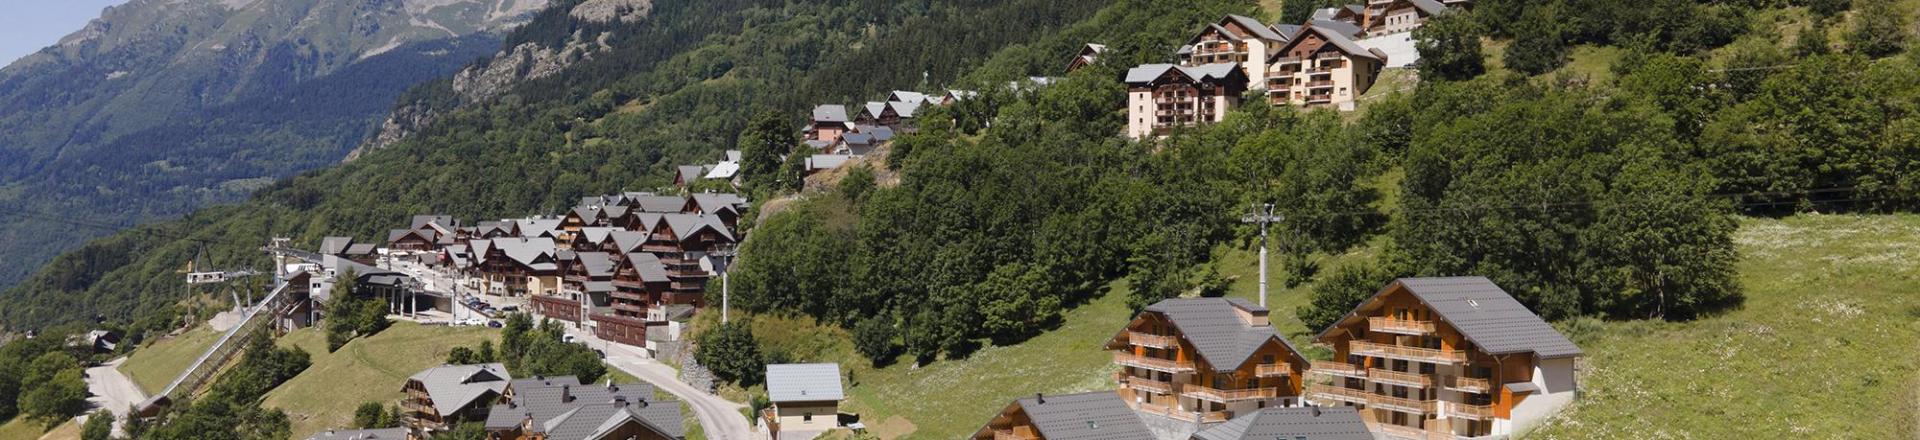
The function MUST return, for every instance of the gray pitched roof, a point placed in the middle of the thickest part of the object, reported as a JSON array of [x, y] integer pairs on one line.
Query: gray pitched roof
[[685, 225], [533, 227], [657, 204], [628, 241], [830, 113], [647, 266], [597, 264], [906, 109], [597, 234], [1258, 29], [360, 249], [1345, 29], [1332, 32], [1483, 313], [565, 409], [1286, 31], [903, 95], [804, 382], [1315, 423], [361, 434], [1216, 330], [874, 109], [1099, 415], [1147, 73], [1430, 7], [692, 172], [335, 245], [1489, 316], [455, 386], [882, 134], [525, 251]]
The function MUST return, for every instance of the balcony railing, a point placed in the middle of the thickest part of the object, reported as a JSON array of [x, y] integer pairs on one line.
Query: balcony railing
[[1399, 378], [1319, 84], [1417, 354], [1152, 340], [1272, 370], [1400, 326], [1326, 394], [1472, 384], [1333, 368], [1319, 99], [1223, 396], [1185, 416], [1401, 432], [1009, 434], [1400, 404], [1469, 411], [1152, 363], [1143, 384]]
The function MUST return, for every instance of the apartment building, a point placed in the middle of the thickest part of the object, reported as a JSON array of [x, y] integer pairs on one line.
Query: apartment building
[[1099, 415], [1313, 422], [1165, 97], [438, 398], [1445, 358], [1321, 67], [1385, 17], [1205, 360], [1235, 39]]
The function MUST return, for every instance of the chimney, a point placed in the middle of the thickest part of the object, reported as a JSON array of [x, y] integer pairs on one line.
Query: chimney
[[566, 393], [512, 404], [620, 401], [1316, 411], [1039, 398]]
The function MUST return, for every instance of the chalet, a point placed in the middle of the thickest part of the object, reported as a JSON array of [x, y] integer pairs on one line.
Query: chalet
[[682, 241], [1099, 415], [1205, 360], [856, 144], [1317, 423], [411, 240], [440, 397], [805, 397], [585, 276], [620, 314], [537, 227], [684, 175], [1350, 14], [898, 115], [97, 341], [1398, 16], [362, 434], [1321, 67], [723, 205], [346, 247], [1445, 357], [912, 97], [516, 266], [823, 162], [954, 96], [828, 123], [1087, 55], [1235, 39], [1163, 97], [869, 114], [563, 408]]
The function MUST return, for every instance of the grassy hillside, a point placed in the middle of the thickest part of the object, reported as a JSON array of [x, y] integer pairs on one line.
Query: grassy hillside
[[369, 369], [22, 429], [154, 365], [1830, 312], [1827, 345]]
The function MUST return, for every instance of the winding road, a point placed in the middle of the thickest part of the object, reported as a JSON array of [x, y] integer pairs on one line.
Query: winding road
[[719, 417]]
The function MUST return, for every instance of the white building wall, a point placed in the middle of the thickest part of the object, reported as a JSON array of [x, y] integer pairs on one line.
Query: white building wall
[[1139, 113], [1557, 388]]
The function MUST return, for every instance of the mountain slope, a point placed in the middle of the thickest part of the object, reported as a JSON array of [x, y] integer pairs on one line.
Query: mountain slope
[[162, 106], [676, 86]]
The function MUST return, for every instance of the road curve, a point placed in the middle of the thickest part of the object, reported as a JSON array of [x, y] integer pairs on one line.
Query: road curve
[[719, 417]]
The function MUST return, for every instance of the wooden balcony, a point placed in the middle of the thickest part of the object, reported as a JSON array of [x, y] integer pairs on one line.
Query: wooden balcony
[[1152, 363], [1339, 369], [1223, 396], [1393, 431], [1319, 99], [1400, 326], [1469, 411], [1400, 404], [1391, 377], [1326, 394], [1405, 353], [626, 307], [1010, 434], [1319, 84], [1143, 384], [1184, 416], [1153, 340], [1472, 384], [1272, 370]]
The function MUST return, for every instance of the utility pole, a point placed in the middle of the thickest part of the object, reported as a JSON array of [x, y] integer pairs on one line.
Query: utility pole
[[722, 257], [1262, 215]]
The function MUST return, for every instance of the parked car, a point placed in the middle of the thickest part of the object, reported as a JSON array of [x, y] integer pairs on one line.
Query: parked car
[[495, 324], [567, 339], [510, 309], [602, 353]]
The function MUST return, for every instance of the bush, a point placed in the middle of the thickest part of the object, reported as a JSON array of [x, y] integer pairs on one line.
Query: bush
[[733, 355], [99, 426], [1340, 291], [1538, 45], [874, 339]]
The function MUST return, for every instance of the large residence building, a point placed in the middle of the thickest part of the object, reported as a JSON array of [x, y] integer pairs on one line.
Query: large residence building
[[1312, 422], [562, 408], [1205, 360], [1321, 67], [1384, 17], [440, 397], [1099, 415], [1445, 357], [1164, 97], [1234, 39]]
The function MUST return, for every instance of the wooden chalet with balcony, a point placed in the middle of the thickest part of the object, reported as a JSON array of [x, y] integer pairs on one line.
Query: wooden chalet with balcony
[[438, 398], [1096, 415], [1165, 97], [1321, 66], [639, 282], [1205, 360], [1445, 358], [1235, 39], [1088, 54], [515, 266]]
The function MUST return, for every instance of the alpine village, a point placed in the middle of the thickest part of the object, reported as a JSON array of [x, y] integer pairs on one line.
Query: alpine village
[[943, 219]]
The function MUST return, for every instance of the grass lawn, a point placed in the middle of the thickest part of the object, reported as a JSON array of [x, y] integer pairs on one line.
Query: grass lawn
[[1827, 345], [157, 363], [21, 429], [367, 369]]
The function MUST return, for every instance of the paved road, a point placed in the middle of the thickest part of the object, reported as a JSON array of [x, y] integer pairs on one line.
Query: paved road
[[720, 417], [113, 391]]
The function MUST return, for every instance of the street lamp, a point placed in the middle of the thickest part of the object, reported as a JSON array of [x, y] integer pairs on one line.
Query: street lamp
[[722, 257]]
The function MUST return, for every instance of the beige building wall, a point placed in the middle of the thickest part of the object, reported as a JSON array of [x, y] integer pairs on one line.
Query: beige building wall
[[1344, 85], [1140, 113], [808, 416]]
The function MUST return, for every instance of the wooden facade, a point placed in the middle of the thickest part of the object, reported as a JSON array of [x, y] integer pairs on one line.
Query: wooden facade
[[1163, 372]]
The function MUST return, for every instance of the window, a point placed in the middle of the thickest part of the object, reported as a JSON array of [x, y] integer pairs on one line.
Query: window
[[808, 417]]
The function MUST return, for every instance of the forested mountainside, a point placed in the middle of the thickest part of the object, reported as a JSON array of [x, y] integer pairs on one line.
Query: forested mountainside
[[162, 106], [675, 86]]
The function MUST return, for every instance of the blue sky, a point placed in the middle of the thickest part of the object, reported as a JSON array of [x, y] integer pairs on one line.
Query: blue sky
[[28, 25]]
